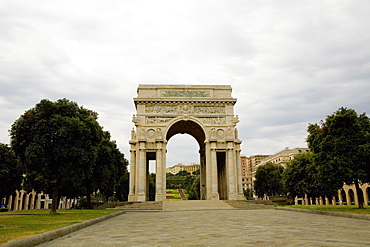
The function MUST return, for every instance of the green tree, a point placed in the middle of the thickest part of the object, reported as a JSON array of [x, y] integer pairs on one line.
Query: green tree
[[10, 171], [269, 180], [183, 173], [299, 177], [109, 169], [193, 189], [57, 142], [248, 193], [341, 147], [123, 185], [152, 192]]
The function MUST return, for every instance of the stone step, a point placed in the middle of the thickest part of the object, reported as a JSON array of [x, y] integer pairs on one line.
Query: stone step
[[148, 205], [195, 205], [248, 205]]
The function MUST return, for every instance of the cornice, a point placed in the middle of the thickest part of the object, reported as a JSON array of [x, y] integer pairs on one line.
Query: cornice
[[162, 101]]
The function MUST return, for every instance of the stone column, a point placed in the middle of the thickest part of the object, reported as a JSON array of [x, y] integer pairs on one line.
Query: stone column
[[164, 153], [131, 195], [306, 200], [214, 172], [365, 195], [159, 174], [208, 171], [9, 203], [203, 177], [340, 197], [38, 201], [348, 197], [355, 195], [239, 173], [141, 195], [231, 172]]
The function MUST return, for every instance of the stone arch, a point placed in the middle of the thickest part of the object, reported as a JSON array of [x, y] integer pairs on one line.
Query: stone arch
[[351, 197], [189, 126], [344, 197], [195, 129], [204, 112]]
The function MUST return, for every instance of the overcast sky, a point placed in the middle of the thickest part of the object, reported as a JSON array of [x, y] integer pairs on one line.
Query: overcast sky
[[289, 62]]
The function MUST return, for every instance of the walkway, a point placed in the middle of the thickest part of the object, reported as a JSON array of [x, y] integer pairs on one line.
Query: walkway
[[220, 228], [195, 205], [182, 194]]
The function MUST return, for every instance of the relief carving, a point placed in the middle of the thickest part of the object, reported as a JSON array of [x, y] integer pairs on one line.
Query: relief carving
[[157, 120], [209, 110], [150, 133], [133, 134], [135, 119], [213, 120], [220, 133], [185, 109], [161, 109], [159, 133], [185, 94]]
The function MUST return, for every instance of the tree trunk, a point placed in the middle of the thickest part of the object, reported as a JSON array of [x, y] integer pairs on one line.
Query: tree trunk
[[88, 200], [360, 196], [55, 201], [88, 194]]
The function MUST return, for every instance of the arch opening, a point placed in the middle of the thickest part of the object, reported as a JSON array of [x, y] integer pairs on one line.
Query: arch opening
[[194, 130]]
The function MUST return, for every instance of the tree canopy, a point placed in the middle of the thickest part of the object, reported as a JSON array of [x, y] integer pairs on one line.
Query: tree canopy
[[268, 180], [111, 166], [57, 142], [10, 171], [299, 177], [341, 147]]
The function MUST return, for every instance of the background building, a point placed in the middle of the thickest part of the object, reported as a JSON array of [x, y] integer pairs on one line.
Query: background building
[[181, 167], [347, 195], [248, 166]]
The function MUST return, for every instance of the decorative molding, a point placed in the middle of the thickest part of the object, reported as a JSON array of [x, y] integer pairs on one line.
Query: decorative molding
[[157, 120], [184, 109], [185, 94], [150, 133], [213, 120], [209, 109], [220, 133]]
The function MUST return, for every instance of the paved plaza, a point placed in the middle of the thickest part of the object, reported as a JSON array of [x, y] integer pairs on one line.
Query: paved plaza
[[221, 227]]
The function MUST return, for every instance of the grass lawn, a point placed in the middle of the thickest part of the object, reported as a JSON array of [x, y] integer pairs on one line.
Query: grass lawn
[[16, 227], [337, 208]]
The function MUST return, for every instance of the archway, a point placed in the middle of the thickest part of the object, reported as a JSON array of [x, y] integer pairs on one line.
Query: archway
[[351, 199], [183, 167], [196, 131], [204, 112], [344, 198]]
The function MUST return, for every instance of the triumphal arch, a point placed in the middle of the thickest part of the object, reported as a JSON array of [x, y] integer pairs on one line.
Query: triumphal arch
[[204, 112]]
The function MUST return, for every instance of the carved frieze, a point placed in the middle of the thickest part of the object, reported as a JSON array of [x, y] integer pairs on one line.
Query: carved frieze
[[213, 120], [157, 120], [162, 109], [185, 94], [205, 110], [184, 109]]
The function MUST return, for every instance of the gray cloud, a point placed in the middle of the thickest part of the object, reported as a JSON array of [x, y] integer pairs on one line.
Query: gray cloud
[[290, 63]]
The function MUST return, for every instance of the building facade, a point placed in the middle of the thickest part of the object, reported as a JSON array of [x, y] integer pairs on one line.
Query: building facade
[[347, 195], [249, 165]]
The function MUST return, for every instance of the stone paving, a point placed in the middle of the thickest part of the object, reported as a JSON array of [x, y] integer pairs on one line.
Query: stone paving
[[221, 227]]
